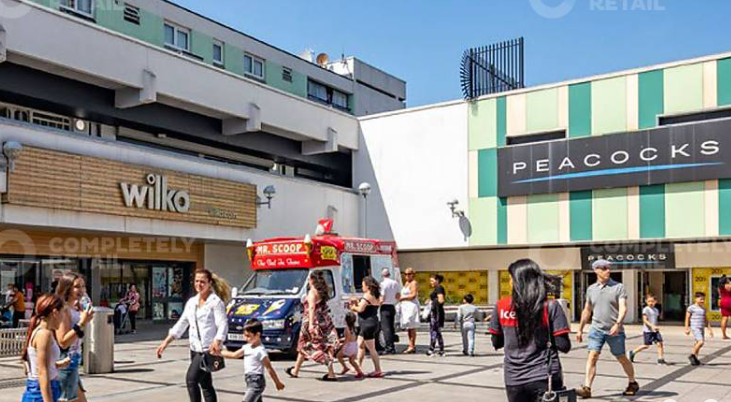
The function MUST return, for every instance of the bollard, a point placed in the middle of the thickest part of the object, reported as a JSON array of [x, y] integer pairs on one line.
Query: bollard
[[99, 342]]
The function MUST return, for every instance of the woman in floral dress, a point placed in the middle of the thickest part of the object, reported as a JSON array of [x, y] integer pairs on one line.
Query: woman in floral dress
[[318, 338]]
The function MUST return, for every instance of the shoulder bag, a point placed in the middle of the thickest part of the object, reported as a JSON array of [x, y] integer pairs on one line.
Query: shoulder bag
[[551, 395], [209, 363]]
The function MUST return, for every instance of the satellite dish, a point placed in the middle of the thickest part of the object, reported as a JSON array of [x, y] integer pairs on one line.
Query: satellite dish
[[465, 226], [322, 59]]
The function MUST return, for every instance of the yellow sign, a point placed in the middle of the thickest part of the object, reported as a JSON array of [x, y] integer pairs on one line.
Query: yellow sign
[[328, 253], [704, 280], [247, 309]]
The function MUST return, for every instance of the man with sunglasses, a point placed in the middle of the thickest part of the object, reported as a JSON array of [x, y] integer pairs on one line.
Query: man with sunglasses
[[606, 306]]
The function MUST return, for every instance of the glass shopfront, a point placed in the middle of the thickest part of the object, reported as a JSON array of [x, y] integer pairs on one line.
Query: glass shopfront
[[36, 275], [163, 286]]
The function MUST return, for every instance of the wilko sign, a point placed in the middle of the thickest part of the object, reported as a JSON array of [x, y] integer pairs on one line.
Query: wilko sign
[[155, 196]]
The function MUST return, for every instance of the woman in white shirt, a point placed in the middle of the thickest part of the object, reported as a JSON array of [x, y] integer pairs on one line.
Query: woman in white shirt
[[205, 315]]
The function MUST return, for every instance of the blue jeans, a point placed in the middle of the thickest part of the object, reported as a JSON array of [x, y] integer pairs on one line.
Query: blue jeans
[[33, 391], [69, 377], [598, 338], [468, 338]]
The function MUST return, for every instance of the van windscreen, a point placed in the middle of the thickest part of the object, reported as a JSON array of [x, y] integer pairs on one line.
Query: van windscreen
[[276, 282]]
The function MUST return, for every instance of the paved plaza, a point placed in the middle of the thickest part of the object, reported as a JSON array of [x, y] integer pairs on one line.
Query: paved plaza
[[140, 376]]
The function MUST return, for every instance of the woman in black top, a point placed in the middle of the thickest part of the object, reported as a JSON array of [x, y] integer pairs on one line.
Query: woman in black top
[[436, 318], [367, 309], [525, 325]]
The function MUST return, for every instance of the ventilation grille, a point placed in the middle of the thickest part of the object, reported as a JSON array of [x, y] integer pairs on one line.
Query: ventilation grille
[[35, 117], [287, 74], [131, 14]]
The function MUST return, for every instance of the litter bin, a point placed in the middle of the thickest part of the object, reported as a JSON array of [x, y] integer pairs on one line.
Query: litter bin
[[99, 342], [566, 308]]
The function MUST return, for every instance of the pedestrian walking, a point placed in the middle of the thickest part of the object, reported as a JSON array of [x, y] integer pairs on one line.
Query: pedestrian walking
[[318, 338], [390, 293], [42, 355], [349, 347], [205, 315], [650, 331], [606, 307], [532, 330], [466, 318], [409, 306], [724, 302], [436, 315], [696, 321], [256, 359], [18, 302], [70, 334], [367, 309], [133, 300]]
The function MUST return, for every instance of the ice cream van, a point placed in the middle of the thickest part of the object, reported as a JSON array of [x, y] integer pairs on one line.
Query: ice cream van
[[282, 266]]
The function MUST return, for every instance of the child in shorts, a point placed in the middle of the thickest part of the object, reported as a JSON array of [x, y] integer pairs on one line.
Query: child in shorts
[[255, 360], [650, 330], [695, 322], [350, 347]]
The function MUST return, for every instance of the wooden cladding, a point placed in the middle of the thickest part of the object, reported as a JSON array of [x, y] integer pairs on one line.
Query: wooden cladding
[[57, 180]]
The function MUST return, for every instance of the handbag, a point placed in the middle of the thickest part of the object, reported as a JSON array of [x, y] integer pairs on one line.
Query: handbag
[[551, 395], [209, 363], [426, 311]]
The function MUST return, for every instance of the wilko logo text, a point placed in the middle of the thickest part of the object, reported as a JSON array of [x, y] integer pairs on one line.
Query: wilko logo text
[[156, 196]]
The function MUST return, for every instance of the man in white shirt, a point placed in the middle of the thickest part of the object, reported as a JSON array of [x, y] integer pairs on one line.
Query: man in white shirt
[[390, 292]]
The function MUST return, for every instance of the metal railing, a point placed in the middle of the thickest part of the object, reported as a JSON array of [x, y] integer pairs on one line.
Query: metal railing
[[491, 69], [12, 341]]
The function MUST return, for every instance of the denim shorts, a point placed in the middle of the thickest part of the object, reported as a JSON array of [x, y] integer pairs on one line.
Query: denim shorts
[[597, 339], [33, 391], [69, 378]]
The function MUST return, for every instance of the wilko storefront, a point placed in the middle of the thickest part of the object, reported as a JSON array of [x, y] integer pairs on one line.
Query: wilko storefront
[[96, 206]]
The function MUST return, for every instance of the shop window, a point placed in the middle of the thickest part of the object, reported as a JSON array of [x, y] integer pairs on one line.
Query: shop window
[[713, 291]]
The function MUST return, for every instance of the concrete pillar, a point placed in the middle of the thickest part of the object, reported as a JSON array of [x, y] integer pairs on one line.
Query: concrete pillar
[[493, 286], [629, 279]]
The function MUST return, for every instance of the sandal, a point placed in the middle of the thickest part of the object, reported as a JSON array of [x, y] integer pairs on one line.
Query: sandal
[[289, 371], [328, 378], [409, 351], [375, 374], [345, 371]]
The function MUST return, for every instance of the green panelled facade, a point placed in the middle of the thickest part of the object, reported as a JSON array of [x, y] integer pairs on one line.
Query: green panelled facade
[[110, 14], [604, 106]]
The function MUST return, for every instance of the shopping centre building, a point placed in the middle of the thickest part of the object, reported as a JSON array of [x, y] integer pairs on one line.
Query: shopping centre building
[[630, 166], [141, 140]]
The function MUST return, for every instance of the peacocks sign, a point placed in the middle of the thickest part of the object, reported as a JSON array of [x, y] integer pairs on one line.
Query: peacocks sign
[[690, 152]]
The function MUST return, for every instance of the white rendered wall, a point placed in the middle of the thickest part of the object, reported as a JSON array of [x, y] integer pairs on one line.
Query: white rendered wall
[[420, 160]]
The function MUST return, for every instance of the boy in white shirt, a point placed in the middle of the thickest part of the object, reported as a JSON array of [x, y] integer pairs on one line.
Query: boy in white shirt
[[650, 331], [255, 360]]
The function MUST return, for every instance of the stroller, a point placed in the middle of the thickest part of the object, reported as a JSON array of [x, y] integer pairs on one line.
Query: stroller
[[121, 318]]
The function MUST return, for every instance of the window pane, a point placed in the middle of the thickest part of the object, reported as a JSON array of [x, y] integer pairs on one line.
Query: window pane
[[340, 99], [217, 53], [84, 6], [258, 68], [169, 35], [182, 40], [247, 64]]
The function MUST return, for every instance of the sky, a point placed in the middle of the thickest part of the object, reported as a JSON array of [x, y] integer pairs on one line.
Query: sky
[[422, 41]]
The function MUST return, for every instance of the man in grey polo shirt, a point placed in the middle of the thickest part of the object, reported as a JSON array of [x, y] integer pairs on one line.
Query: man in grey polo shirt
[[606, 305]]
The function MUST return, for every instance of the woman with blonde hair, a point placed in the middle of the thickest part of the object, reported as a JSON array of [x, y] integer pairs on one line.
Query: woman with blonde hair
[[409, 305], [42, 354], [71, 288], [205, 315]]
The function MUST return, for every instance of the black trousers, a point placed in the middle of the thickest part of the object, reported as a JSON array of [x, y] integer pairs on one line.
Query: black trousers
[[133, 320], [388, 326], [532, 391], [17, 316], [197, 380]]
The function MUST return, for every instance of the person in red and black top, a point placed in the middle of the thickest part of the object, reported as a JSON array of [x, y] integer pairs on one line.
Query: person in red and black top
[[520, 324], [724, 302]]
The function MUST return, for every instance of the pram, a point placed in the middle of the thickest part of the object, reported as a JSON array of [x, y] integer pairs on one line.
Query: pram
[[121, 318]]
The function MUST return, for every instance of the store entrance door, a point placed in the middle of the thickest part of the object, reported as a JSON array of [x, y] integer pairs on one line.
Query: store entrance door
[[670, 289], [588, 278]]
